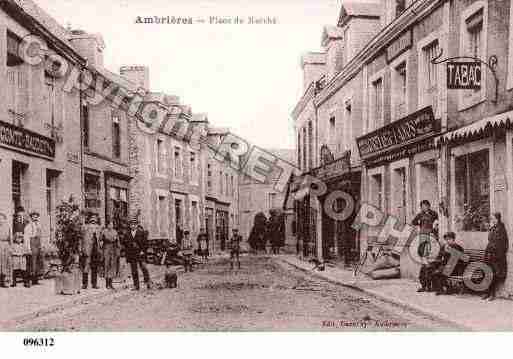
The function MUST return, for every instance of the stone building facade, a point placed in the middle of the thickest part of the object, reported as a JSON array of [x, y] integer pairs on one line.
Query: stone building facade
[[457, 152], [261, 197], [40, 148], [105, 136]]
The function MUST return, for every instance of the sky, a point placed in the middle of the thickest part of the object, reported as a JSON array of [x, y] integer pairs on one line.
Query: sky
[[245, 77]]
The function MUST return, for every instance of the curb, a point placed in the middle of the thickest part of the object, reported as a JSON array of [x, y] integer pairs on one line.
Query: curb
[[77, 301], [386, 298]]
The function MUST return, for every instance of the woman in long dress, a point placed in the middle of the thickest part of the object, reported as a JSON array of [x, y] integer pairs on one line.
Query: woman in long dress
[[5, 251], [110, 253]]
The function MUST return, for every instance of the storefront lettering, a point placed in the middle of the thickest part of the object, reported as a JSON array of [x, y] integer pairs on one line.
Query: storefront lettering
[[415, 126], [400, 45], [26, 140], [464, 75]]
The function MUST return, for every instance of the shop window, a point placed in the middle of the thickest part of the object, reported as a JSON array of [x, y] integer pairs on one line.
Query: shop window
[[376, 187], [116, 136], [472, 191], [399, 191], [119, 206], [18, 177]]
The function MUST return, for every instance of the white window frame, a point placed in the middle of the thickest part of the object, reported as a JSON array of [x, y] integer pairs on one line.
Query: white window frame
[[374, 123], [373, 172], [157, 157], [467, 99], [194, 179], [422, 90], [176, 177], [404, 58]]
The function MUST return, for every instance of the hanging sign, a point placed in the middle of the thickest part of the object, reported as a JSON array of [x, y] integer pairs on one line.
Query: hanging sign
[[464, 75]]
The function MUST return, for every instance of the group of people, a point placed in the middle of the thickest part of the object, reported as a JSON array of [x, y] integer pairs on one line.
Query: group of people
[[433, 276], [187, 248], [267, 231], [20, 249], [100, 248]]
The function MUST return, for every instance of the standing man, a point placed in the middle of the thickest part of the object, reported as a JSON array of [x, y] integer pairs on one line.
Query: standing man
[[187, 250], [21, 252], [135, 243], [235, 248], [33, 236], [90, 249], [203, 244], [425, 221]]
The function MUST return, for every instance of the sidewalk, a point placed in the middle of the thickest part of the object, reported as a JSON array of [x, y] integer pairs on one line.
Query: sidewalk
[[467, 311], [23, 303]]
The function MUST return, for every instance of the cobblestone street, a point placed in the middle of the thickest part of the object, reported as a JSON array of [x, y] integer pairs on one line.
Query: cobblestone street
[[263, 295]]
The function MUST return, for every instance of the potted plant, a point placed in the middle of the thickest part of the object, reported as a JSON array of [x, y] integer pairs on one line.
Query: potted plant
[[68, 238]]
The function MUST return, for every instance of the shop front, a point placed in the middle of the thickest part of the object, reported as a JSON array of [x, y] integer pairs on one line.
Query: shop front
[[116, 199], [338, 238], [401, 169]]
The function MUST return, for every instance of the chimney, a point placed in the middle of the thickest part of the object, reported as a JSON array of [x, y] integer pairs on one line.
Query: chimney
[[90, 46], [314, 67], [140, 75], [333, 43]]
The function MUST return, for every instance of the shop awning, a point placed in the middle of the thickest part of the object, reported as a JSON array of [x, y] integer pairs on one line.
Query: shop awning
[[478, 128]]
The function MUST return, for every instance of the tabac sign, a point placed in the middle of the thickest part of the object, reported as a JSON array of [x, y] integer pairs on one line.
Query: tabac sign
[[464, 75], [19, 138], [408, 130]]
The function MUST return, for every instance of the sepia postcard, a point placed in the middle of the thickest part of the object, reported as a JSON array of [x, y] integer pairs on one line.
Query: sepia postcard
[[255, 166]]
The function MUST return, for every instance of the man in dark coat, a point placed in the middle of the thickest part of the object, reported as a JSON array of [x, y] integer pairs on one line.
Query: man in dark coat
[[448, 250], [425, 220], [136, 243], [495, 254]]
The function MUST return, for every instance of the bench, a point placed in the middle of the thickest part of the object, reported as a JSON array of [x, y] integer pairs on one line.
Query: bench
[[472, 255]]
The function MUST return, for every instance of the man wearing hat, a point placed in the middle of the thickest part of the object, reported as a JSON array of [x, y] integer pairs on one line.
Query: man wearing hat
[[235, 248], [448, 267], [135, 243], [33, 236], [90, 249]]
